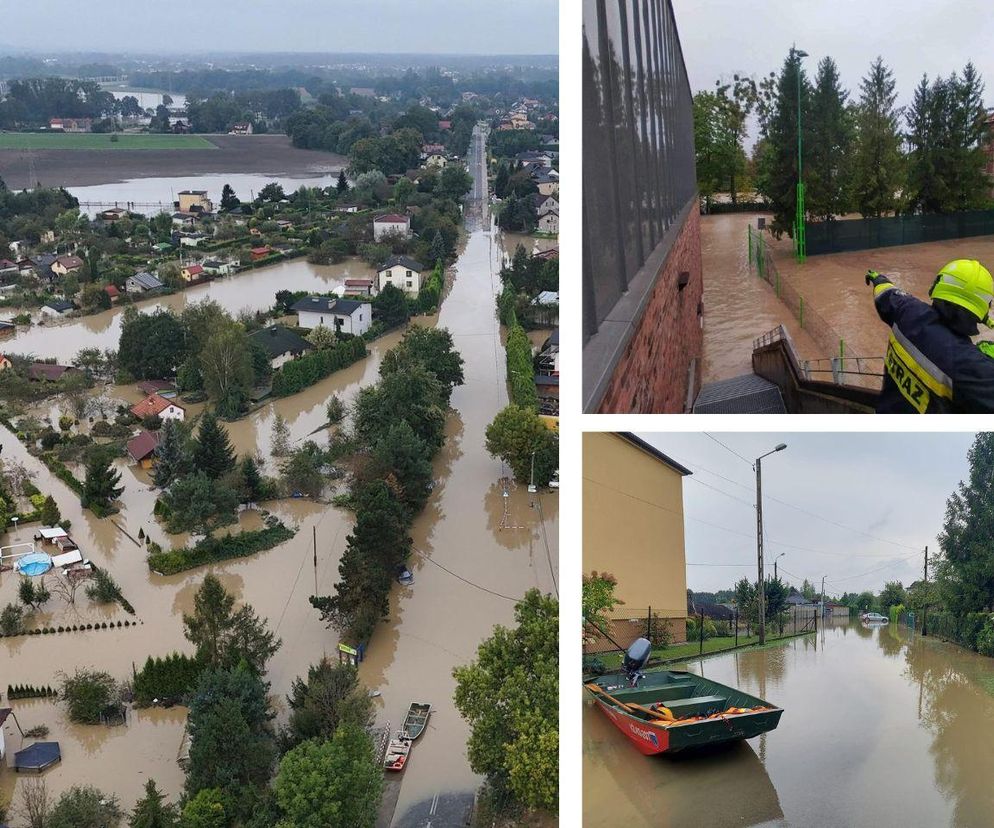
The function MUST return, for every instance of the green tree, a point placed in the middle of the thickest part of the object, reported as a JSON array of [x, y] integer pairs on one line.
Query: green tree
[[302, 472], [891, 595], [330, 697], [598, 599], [342, 186], [152, 346], [212, 452], [205, 810], [100, 487], [252, 485], [402, 458], [87, 694], [828, 156], [965, 569], [516, 436], [12, 620], [392, 307], [335, 411], [152, 810], [415, 395], [195, 503], [879, 166], [510, 697], [84, 807], [229, 201], [224, 636], [50, 514], [776, 175], [227, 368], [433, 349], [172, 454], [331, 784]]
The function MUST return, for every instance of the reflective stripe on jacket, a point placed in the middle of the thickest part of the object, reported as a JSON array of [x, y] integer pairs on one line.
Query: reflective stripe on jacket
[[929, 368]]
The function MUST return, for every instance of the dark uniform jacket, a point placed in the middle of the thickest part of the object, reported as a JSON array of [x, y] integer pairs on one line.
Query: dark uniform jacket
[[929, 368]]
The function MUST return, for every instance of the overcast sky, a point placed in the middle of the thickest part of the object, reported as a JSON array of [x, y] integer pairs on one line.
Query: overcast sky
[[722, 37], [435, 26], [891, 486]]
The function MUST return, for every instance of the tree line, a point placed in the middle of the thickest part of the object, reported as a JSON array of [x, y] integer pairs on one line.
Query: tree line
[[860, 154]]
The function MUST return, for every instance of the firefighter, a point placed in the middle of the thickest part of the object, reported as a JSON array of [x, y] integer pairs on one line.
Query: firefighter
[[932, 365]]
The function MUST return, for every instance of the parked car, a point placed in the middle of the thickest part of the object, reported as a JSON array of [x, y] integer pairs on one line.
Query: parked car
[[874, 618]]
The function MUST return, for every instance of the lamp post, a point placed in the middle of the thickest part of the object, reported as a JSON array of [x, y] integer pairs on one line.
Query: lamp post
[[759, 540], [800, 242], [777, 558]]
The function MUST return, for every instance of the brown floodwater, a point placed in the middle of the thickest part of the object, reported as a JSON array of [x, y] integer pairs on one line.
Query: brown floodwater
[[251, 290], [880, 727], [739, 306], [504, 545]]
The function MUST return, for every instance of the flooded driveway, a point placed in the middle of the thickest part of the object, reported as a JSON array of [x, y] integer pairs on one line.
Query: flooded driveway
[[739, 306], [880, 727], [250, 290]]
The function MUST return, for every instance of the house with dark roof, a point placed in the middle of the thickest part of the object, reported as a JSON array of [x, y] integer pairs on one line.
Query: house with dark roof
[[280, 344], [48, 371], [57, 308], [141, 448], [348, 316], [402, 272], [142, 282], [164, 388]]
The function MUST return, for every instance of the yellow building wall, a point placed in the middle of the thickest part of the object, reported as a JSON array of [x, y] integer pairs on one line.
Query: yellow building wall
[[633, 528]]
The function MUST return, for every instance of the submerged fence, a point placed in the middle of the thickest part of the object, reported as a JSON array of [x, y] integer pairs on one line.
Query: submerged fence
[[891, 231], [842, 366]]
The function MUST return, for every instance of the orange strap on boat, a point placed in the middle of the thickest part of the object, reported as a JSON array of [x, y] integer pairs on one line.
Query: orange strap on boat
[[660, 713]]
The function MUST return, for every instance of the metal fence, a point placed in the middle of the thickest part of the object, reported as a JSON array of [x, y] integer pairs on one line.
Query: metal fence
[[841, 366], [638, 144], [890, 231]]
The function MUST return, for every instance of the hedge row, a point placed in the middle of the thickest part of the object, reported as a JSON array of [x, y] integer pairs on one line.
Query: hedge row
[[29, 691], [100, 625], [300, 373], [212, 549], [520, 372], [431, 292], [170, 678]]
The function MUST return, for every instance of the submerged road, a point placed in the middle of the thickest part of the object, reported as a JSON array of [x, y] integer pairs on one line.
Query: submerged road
[[493, 548], [880, 727]]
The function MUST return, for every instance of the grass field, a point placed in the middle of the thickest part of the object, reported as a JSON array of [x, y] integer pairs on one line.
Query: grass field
[[99, 141], [679, 652]]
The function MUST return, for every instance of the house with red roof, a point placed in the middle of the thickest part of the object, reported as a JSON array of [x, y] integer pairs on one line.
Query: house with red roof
[[261, 252], [193, 273], [391, 224], [112, 292], [157, 406]]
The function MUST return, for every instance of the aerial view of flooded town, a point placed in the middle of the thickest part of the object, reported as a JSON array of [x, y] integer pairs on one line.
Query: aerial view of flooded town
[[279, 397]]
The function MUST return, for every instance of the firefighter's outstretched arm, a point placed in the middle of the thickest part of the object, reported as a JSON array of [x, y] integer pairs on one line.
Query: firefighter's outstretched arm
[[886, 295]]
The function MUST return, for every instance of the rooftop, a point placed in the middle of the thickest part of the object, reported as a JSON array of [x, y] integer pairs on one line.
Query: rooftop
[[403, 261], [277, 340]]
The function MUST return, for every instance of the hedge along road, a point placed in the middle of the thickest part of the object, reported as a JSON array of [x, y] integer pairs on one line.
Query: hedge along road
[[880, 727]]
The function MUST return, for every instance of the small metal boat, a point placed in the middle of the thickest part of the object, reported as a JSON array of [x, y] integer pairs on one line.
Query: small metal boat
[[416, 720], [399, 748], [669, 710]]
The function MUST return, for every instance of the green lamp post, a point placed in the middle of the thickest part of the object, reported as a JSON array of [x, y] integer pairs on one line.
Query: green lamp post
[[800, 243]]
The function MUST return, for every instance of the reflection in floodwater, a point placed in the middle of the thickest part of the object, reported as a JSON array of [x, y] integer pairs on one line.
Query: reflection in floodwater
[[880, 727]]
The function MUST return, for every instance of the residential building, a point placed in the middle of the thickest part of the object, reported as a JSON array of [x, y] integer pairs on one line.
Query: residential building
[[112, 292], [5, 362], [49, 371], [194, 201], [549, 222], [70, 124], [141, 448], [157, 405], [218, 267], [347, 316], [547, 389], [261, 252], [360, 287], [546, 306], [113, 214], [633, 528], [546, 203], [19, 247], [642, 273], [391, 224], [57, 308], [436, 159], [281, 344], [164, 388], [193, 273], [64, 265], [546, 180], [244, 128], [142, 282], [185, 219], [402, 272]]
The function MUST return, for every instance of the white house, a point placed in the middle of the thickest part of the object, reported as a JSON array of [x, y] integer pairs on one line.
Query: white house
[[391, 224], [218, 267], [402, 272], [340, 315], [549, 222], [57, 307], [142, 282], [155, 405], [436, 159], [546, 204]]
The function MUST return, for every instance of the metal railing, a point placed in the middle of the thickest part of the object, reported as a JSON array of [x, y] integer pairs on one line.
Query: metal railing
[[843, 370], [638, 144]]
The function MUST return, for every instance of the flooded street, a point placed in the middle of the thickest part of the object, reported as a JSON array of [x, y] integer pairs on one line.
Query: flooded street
[[880, 727], [496, 546], [438, 623], [250, 290], [739, 306]]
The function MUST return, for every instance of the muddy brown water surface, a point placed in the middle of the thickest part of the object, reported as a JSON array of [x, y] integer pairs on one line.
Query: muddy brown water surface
[[249, 290], [739, 307], [880, 727], [496, 547]]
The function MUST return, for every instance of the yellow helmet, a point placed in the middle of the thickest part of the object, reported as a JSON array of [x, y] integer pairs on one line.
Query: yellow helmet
[[967, 283]]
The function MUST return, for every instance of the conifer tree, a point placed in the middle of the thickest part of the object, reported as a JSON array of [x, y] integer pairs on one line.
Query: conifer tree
[[213, 453], [879, 165]]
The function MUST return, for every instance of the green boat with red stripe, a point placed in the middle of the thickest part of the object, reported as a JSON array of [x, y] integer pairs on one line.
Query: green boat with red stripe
[[671, 710]]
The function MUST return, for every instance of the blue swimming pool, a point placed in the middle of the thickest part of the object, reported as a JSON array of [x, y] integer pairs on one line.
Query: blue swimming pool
[[37, 563]]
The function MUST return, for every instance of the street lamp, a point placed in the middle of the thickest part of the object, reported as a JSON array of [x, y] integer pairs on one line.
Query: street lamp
[[777, 558], [759, 540], [800, 242], [531, 486]]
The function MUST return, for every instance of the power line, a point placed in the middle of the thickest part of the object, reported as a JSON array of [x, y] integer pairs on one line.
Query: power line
[[425, 556], [726, 448]]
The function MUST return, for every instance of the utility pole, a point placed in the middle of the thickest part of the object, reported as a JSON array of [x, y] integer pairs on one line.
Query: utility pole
[[925, 606], [822, 604], [800, 240], [761, 584]]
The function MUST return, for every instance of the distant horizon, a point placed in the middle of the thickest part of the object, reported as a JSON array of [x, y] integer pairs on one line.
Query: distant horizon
[[11, 51]]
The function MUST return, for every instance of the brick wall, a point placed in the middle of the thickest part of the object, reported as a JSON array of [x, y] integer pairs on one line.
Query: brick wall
[[652, 375]]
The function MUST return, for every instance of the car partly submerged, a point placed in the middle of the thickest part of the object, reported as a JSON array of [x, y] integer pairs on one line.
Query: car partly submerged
[[666, 711]]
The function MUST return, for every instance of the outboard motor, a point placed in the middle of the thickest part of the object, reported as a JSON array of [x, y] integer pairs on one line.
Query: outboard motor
[[635, 659]]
